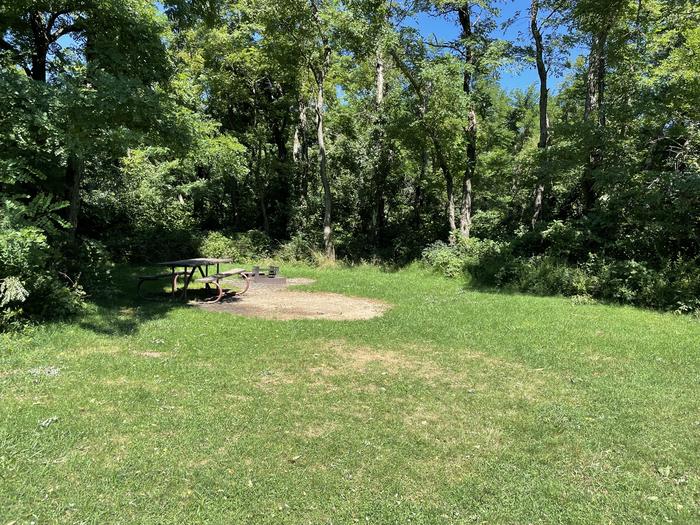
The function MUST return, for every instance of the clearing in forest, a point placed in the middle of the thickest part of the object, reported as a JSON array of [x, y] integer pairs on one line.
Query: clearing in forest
[[454, 406]]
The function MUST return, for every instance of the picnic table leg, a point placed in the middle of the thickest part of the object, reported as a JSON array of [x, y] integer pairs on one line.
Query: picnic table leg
[[173, 282], [188, 278], [204, 273]]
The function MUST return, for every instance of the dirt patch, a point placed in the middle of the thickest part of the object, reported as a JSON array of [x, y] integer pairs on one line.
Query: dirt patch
[[478, 373], [363, 359], [279, 303], [151, 354], [318, 431]]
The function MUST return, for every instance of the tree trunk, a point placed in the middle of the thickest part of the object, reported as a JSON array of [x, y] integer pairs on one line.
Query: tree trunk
[[379, 80], [300, 151], [417, 193], [319, 71], [543, 102], [41, 46], [322, 168], [437, 147], [261, 187], [381, 164], [595, 109], [470, 131], [465, 218], [74, 175]]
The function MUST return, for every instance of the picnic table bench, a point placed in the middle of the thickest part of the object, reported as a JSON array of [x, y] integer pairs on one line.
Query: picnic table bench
[[220, 277], [156, 277], [186, 268], [202, 264]]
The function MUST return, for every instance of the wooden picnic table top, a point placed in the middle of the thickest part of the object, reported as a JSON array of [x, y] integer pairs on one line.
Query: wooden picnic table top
[[190, 263]]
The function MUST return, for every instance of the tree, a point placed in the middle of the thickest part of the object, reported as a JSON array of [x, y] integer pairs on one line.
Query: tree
[[543, 101], [308, 28], [116, 50]]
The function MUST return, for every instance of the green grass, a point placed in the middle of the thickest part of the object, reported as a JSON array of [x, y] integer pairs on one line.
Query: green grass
[[454, 407]]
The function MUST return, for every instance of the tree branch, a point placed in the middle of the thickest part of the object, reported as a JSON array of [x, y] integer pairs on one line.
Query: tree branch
[[4, 45], [452, 47], [407, 72]]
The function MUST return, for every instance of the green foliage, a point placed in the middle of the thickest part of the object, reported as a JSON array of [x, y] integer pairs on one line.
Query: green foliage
[[248, 246], [444, 258], [545, 275], [217, 245], [31, 284], [300, 249], [675, 286], [480, 260], [94, 266], [158, 126]]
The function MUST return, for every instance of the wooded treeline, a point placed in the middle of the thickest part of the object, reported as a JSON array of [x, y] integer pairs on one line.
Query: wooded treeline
[[130, 129]]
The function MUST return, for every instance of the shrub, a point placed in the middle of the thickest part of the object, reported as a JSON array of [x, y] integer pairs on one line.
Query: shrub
[[562, 240], [217, 245], [93, 265], [31, 283], [543, 275], [298, 248], [151, 244], [444, 258], [252, 244], [675, 286], [480, 260], [485, 260]]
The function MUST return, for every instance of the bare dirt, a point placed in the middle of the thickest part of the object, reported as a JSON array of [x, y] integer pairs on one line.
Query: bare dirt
[[281, 303]]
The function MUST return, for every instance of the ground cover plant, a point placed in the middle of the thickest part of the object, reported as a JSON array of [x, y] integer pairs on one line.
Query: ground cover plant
[[455, 406]]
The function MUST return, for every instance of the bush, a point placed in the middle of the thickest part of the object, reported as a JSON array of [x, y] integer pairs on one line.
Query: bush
[[93, 265], [155, 244], [253, 244], [675, 286], [217, 245], [297, 249], [543, 275], [480, 260], [444, 258], [238, 246], [31, 282]]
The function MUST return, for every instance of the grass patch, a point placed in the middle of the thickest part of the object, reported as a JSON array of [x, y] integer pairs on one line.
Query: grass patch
[[455, 406]]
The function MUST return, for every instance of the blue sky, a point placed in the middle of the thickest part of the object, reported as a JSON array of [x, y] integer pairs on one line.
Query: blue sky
[[511, 77]]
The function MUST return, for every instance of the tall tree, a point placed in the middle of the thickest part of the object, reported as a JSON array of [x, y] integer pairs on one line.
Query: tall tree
[[470, 130], [118, 47], [422, 91], [597, 19], [543, 141]]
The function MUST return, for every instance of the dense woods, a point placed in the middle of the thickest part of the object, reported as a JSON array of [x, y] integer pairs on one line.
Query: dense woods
[[139, 131]]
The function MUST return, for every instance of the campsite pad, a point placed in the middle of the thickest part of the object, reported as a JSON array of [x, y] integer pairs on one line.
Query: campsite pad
[[277, 302]]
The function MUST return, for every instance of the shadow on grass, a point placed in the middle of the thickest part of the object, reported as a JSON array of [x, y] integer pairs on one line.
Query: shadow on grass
[[119, 311]]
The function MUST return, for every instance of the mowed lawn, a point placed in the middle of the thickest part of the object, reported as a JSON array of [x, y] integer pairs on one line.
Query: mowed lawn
[[456, 406]]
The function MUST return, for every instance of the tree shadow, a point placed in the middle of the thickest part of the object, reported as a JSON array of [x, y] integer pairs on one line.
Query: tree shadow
[[117, 310]]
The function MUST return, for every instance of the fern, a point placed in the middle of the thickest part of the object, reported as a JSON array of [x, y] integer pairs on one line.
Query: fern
[[41, 212], [12, 290]]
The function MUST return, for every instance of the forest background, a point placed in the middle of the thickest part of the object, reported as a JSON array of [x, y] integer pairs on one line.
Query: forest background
[[550, 147]]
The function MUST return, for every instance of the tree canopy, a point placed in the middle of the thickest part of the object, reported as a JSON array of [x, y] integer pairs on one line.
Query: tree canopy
[[131, 128]]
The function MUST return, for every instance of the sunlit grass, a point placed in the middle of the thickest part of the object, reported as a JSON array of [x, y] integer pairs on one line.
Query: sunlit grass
[[454, 407]]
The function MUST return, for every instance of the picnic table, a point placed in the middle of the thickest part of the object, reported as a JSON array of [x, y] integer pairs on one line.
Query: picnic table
[[188, 269]]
